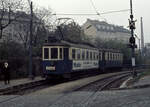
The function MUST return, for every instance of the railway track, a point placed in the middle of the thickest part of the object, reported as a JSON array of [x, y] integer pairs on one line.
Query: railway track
[[20, 89], [105, 83]]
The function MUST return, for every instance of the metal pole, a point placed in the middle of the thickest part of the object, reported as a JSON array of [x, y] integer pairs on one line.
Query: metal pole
[[30, 43], [142, 38], [132, 27]]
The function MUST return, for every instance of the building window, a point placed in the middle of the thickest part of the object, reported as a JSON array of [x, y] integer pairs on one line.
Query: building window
[[103, 27], [88, 26], [112, 28], [108, 28]]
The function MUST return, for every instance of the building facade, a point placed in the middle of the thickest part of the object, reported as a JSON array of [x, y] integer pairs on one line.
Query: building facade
[[19, 29], [99, 29]]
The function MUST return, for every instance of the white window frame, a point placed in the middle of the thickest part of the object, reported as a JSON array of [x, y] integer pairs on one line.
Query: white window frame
[[58, 55], [43, 53]]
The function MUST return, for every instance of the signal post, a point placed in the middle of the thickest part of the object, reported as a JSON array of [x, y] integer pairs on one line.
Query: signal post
[[132, 44]]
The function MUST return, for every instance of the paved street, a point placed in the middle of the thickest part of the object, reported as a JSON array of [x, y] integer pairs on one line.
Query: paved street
[[121, 98], [57, 96]]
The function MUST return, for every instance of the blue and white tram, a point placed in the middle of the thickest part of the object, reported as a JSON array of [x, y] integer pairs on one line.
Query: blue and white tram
[[64, 58]]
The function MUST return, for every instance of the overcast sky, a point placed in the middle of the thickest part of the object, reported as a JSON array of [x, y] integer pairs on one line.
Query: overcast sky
[[140, 7]]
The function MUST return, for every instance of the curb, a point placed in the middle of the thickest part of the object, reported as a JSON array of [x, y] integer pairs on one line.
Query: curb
[[134, 87]]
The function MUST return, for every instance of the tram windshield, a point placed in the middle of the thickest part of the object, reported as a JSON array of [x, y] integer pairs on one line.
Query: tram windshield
[[54, 53], [46, 53]]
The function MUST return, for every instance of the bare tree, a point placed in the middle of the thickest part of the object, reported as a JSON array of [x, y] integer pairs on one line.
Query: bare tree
[[40, 23], [71, 31], [7, 13], [22, 33]]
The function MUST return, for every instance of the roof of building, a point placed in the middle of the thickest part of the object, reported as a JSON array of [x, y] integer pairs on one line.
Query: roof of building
[[104, 26], [18, 16]]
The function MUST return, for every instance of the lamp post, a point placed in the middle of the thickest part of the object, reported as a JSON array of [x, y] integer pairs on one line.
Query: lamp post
[[30, 40]]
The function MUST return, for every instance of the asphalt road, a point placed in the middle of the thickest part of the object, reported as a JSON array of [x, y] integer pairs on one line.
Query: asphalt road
[[120, 98]]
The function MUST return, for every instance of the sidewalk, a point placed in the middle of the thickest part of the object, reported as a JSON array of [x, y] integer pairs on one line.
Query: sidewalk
[[131, 83], [19, 82], [142, 82]]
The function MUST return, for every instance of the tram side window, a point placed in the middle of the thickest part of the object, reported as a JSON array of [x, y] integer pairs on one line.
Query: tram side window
[[106, 56], [90, 55], [121, 57], [54, 53], [114, 56], [78, 54], [73, 53], [110, 56], [60, 53], [100, 56], [97, 56], [87, 55], [118, 57], [46, 53], [83, 54], [94, 55]]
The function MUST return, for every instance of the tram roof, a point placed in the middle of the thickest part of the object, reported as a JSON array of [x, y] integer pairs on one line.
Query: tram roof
[[77, 45], [70, 44]]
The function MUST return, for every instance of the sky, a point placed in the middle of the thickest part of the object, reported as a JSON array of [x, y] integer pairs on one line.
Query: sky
[[140, 9]]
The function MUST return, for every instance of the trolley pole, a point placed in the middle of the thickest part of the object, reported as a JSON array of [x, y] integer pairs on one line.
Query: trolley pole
[[132, 39], [30, 42]]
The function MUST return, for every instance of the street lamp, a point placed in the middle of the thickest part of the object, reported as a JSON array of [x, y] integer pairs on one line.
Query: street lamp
[[30, 40]]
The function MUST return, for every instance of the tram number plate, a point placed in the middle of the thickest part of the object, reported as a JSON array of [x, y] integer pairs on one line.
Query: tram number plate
[[50, 68]]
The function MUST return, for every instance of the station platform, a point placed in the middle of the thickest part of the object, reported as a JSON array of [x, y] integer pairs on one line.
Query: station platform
[[17, 82]]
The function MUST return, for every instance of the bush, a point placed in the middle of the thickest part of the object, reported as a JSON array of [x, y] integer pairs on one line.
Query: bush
[[18, 59]]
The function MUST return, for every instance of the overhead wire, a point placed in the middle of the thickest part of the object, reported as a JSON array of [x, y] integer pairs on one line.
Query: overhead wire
[[94, 7], [98, 14], [94, 14], [90, 14]]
